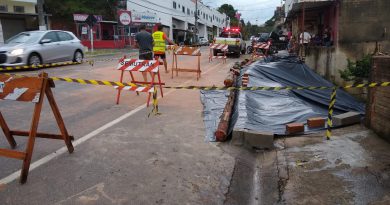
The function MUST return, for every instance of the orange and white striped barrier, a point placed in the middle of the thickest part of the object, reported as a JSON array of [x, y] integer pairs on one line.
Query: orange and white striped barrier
[[150, 67], [186, 51], [221, 47]]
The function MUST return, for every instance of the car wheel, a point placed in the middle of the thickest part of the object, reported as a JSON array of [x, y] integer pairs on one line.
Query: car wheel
[[243, 51], [34, 60], [78, 57]]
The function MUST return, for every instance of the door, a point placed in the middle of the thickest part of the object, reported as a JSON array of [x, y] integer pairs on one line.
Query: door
[[67, 45], [51, 52]]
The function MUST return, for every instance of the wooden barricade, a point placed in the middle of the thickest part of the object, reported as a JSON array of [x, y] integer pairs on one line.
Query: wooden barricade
[[216, 46], [143, 66], [186, 51], [31, 90]]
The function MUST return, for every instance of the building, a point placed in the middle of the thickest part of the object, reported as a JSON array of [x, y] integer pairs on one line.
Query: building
[[17, 16], [357, 28], [178, 18]]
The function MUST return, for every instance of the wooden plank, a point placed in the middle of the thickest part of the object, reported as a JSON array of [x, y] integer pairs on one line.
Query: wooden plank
[[12, 154], [60, 121], [33, 84], [39, 134]]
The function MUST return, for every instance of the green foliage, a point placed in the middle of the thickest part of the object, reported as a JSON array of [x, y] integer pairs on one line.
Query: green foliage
[[65, 9], [357, 70]]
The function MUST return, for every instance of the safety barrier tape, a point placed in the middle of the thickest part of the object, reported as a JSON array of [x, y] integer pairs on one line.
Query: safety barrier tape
[[330, 113], [49, 65], [381, 84], [94, 82], [155, 104]]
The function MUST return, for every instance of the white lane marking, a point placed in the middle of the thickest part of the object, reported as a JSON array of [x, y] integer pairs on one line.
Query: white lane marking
[[83, 139]]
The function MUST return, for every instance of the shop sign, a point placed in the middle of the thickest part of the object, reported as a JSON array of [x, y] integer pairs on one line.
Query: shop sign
[[84, 30], [144, 17], [83, 17]]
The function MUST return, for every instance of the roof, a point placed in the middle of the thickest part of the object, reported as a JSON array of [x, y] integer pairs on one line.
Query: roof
[[309, 4]]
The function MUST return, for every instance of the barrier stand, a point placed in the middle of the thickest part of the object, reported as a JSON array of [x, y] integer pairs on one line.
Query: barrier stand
[[216, 46], [186, 51], [330, 113], [136, 65], [32, 90], [264, 47]]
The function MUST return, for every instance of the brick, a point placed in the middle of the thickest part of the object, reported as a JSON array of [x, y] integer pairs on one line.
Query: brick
[[348, 118], [316, 122], [260, 140], [294, 128]]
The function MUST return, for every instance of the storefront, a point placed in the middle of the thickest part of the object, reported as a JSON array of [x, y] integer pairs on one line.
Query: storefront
[[150, 20], [106, 34]]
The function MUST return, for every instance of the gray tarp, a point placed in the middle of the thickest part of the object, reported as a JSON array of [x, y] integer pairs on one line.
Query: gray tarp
[[272, 110]]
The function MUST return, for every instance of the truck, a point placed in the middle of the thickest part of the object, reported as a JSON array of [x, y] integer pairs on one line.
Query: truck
[[233, 38]]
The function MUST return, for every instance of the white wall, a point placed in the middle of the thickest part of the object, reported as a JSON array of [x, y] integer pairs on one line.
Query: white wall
[[165, 11]]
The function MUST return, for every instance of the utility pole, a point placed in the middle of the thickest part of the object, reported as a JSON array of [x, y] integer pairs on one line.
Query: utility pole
[[196, 22], [41, 16]]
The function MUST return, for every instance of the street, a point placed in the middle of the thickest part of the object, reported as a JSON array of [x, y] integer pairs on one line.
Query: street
[[119, 151]]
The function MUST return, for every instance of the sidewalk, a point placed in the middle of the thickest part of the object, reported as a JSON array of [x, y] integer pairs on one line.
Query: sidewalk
[[351, 168]]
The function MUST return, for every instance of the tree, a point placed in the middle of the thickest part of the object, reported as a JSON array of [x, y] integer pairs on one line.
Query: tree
[[65, 9], [230, 12]]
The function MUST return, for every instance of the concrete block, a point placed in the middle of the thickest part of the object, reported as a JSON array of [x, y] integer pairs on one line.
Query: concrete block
[[348, 118], [259, 140], [316, 122], [295, 128], [237, 137]]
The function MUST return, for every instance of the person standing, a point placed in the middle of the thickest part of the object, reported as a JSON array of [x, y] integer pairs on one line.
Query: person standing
[[159, 45], [304, 40], [144, 42]]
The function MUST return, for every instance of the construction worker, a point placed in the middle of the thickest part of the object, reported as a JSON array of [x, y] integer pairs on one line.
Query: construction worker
[[159, 45]]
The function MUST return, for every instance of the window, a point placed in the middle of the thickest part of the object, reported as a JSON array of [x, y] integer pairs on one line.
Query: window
[[19, 9], [198, 12], [188, 11], [183, 9], [204, 15], [179, 6], [63, 36], [4, 8], [174, 5], [52, 36]]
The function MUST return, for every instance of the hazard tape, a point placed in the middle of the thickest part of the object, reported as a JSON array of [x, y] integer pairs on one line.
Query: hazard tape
[[94, 82], [330, 113], [49, 65], [155, 104], [382, 84]]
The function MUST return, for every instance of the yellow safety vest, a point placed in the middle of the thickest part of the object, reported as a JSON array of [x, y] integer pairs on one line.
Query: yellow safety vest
[[159, 42]]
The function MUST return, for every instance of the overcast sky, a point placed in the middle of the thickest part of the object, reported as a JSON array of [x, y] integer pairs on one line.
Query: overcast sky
[[251, 10]]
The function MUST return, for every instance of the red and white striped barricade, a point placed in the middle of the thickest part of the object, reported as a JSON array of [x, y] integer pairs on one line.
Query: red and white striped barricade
[[141, 66], [186, 51], [216, 46], [263, 47]]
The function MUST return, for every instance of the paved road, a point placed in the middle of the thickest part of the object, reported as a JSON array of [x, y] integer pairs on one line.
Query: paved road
[[122, 156]]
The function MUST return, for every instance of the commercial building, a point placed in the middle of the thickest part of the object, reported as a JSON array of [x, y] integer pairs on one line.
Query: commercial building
[[178, 18], [17, 16]]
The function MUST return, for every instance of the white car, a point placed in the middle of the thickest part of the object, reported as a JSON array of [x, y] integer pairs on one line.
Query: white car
[[39, 47], [203, 42]]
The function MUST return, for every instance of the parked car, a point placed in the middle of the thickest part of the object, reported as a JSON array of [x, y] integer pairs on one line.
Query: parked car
[[203, 42], [39, 47]]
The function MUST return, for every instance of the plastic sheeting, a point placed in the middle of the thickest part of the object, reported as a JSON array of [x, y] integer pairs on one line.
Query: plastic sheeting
[[271, 110]]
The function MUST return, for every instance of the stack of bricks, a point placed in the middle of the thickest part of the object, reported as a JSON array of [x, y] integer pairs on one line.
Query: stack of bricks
[[378, 106], [245, 80]]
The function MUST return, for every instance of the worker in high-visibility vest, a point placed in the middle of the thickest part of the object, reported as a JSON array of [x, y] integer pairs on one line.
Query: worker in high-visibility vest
[[159, 45]]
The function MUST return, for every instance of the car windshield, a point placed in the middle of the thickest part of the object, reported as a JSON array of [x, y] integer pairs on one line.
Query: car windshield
[[25, 38], [230, 35]]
